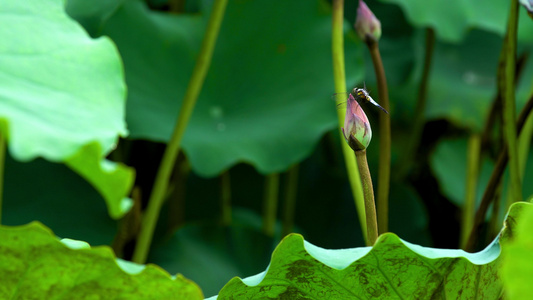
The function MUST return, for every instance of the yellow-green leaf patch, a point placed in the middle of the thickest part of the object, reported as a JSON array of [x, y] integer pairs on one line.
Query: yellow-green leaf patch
[[37, 265]]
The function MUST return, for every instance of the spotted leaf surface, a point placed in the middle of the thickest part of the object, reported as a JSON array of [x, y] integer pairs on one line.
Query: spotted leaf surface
[[391, 269], [37, 265]]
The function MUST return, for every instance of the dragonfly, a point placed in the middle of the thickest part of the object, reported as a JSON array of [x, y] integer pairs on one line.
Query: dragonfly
[[361, 95]]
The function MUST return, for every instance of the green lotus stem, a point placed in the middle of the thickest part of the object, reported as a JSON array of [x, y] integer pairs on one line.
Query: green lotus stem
[[472, 173], [506, 79], [488, 194], [291, 187], [418, 118], [495, 223], [176, 193], [496, 106], [368, 191], [129, 225], [2, 167], [384, 138], [225, 198], [339, 77], [524, 141], [169, 157], [270, 204]]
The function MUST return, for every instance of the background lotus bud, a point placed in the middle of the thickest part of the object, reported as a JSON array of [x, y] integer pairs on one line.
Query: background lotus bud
[[366, 23], [356, 131]]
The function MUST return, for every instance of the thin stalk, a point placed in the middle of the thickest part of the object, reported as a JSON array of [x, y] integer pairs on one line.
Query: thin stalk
[[492, 119], [418, 118], [384, 139], [169, 157], [494, 222], [339, 77], [368, 190], [506, 82], [225, 198], [524, 141], [270, 204], [129, 225], [472, 172], [496, 106], [495, 177], [291, 187], [524, 116], [2, 167], [177, 193]]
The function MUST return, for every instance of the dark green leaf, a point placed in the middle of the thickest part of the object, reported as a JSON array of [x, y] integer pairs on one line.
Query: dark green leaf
[[239, 250], [462, 82], [449, 164], [452, 19], [267, 97], [57, 197]]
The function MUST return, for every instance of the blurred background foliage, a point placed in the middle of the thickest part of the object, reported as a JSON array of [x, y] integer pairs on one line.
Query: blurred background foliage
[[266, 106]]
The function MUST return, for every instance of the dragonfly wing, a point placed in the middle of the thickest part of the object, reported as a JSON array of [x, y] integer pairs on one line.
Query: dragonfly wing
[[340, 98]]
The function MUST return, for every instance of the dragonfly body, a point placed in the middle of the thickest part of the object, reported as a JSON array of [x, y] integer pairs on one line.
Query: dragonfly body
[[361, 95]]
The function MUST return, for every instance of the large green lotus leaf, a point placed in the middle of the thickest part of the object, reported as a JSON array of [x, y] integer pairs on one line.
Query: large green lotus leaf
[[453, 19], [391, 269], [37, 265], [267, 97], [517, 263], [60, 90]]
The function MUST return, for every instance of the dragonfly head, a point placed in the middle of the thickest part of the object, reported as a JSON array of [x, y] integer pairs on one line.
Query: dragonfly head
[[361, 94]]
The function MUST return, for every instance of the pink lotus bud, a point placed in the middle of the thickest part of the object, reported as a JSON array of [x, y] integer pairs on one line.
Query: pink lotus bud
[[356, 129], [366, 24]]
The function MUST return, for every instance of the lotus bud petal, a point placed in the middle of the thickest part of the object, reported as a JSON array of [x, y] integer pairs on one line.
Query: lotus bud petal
[[366, 24], [356, 131]]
